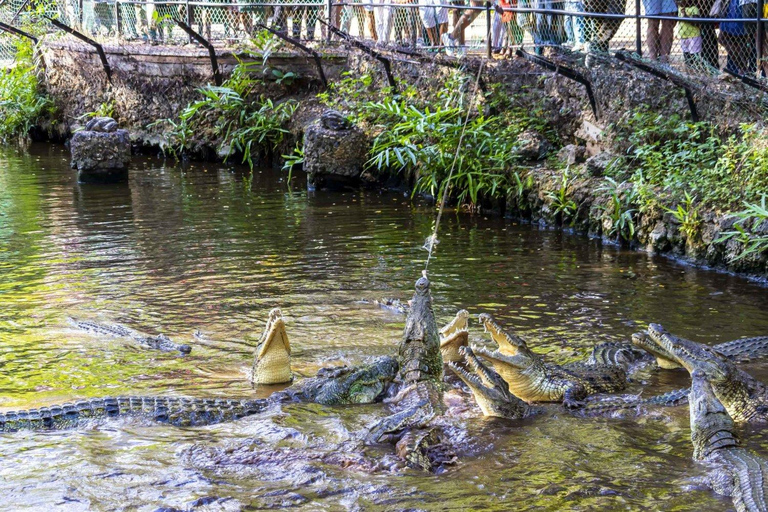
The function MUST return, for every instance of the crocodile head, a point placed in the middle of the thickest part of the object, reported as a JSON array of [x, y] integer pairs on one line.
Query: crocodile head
[[454, 336], [509, 344], [356, 385], [272, 360], [711, 426], [664, 359], [489, 389], [692, 356], [520, 372]]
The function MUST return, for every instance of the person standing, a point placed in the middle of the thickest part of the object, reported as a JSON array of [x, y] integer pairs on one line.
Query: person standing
[[660, 32]]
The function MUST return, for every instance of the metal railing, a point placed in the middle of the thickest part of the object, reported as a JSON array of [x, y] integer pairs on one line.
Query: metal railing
[[703, 37]]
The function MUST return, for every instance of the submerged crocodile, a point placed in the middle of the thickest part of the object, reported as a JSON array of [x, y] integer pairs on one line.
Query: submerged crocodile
[[734, 471], [531, 378], [744, 397], [159, 342], [333, 386]]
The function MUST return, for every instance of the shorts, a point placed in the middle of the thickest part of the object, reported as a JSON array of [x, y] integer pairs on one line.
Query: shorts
[[656, 7], [432, 16], [691, 44]]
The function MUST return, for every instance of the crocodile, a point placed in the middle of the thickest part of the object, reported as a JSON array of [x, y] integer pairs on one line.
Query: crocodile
[[744, 397], [733, 470], [740, 350], [454, 336], [272, 355], [332, 386], [489, 389], [159, 342], [609, 353], [418, 393], [531, 378]]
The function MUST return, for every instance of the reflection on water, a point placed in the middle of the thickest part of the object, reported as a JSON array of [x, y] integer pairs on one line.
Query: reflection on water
[[210, 249]]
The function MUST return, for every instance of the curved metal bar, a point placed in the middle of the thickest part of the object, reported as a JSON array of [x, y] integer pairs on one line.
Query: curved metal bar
[[84, 38], [626, 57], [211, 50], [453, 63], [566, 72], [15, 31], [376, 55], [294, 42], [747, 80]]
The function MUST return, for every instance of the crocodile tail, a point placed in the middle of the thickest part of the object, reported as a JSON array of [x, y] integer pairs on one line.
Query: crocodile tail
[[744, 349], [604, 405], [171, 410], [669, 399]]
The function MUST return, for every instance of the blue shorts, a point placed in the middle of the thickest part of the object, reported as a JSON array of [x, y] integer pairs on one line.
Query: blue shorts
[[656, 7]]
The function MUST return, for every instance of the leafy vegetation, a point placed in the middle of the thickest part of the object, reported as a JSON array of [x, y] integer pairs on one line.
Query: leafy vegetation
[[246, 122], [563, 207], [621, 209], [421, 132], [682, 157], [747, 230], [22, 103]]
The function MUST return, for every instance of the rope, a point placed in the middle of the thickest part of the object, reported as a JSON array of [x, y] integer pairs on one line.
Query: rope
[[433, 238]]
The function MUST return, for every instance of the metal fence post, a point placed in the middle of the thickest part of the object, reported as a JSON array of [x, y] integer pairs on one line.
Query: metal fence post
[[118, 22], [760, 35], [638, 30], [488, 46], [190, 19], [329, 7]]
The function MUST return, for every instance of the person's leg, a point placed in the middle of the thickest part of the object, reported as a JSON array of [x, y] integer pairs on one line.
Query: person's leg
[[496, 32], [749, 11], [578, 25], [371, 17], [465, 20], [666, 37], [709, 45], [653, 40]]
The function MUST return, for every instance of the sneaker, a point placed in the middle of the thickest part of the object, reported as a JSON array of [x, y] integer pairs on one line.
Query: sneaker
[[449, 43]]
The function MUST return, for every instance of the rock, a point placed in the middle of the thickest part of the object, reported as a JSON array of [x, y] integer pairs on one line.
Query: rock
[[334, 157], [572, 154], [334, 120], [532, 145], [101, 154], [597, 165], [658, 237]]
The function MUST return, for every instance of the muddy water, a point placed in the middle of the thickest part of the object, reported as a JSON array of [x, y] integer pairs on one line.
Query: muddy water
[[211, 249]]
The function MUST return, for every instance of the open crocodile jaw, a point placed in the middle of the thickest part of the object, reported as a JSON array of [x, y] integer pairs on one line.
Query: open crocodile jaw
[[272, 363], [451, 344]]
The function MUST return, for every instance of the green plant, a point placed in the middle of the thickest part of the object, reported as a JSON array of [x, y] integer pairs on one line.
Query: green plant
[[425, 141], [563, 207], [22, 102], [744, 230], [687, 215], [678, 156], [246, 122], [620, 209], [292, 160], [105, 109]]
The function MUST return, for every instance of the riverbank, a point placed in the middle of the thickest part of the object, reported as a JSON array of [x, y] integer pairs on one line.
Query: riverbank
[[633, 169]]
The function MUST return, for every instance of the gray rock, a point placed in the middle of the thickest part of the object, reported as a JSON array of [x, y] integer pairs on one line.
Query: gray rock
[[597, 165], [572, 154], [658, 237], [334, 157], [532, 145], [101, 124], [103, 154], [334, 120]]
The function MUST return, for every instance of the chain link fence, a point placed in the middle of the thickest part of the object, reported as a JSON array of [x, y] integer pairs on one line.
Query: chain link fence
[[703, 37]]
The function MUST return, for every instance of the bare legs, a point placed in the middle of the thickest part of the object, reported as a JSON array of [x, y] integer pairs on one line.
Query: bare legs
[[660, 41]]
